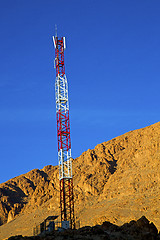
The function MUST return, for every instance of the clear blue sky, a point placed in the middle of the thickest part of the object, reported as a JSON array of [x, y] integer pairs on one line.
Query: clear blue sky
[[112, 65]]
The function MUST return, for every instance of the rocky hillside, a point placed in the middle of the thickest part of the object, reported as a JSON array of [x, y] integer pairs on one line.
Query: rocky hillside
[[118, 181]]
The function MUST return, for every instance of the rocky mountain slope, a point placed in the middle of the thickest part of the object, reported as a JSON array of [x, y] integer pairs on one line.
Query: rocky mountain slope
[[118, 181]]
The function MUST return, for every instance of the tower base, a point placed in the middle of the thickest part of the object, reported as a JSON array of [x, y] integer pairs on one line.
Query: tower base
[[67, 201]]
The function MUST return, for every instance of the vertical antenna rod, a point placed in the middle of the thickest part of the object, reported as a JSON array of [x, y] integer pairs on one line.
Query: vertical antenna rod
[[56, 30], [63, 135]]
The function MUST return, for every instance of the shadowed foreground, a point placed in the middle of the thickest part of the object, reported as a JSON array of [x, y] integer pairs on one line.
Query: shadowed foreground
[[137, 230]]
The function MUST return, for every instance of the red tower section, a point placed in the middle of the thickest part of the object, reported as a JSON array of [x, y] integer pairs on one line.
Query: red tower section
[[63, 135]]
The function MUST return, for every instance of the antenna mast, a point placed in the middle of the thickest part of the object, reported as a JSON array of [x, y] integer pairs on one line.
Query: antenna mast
[[63, 135]]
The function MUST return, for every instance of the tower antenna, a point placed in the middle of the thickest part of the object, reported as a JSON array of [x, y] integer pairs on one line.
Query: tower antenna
[[55, 30], [63, 136]]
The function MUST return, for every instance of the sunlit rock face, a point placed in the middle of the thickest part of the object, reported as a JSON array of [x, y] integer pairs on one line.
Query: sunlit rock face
[[117, 181]]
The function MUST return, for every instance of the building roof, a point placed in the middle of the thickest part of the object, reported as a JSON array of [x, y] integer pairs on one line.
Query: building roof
[[50, 218]]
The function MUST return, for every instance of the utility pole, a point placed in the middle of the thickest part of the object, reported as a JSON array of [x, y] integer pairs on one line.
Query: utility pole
[[63, 135]]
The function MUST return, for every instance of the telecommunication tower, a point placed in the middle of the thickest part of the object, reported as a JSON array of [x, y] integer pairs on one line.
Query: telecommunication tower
[[63, 135]]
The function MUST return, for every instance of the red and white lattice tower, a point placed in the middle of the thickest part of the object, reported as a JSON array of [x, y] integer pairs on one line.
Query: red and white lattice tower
[[63, 134]]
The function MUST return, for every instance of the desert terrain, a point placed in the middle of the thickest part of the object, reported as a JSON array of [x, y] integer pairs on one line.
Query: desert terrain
[[117, 181]]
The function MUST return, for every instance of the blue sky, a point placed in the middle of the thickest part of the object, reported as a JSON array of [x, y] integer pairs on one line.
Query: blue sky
[[112, 65]]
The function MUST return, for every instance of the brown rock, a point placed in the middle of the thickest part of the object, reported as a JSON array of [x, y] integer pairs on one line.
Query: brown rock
[[118, 181], [14, 211]]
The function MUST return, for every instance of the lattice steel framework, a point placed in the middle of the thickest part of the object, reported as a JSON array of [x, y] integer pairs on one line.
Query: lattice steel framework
[[63, 135]]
